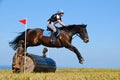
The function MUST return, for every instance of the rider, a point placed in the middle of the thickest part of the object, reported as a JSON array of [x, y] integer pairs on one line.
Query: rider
[[54, 19]]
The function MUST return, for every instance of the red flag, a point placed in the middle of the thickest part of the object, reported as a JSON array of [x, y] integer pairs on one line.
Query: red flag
[[23, 21]]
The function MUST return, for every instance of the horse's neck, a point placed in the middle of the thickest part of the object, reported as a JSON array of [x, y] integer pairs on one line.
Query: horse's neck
[[69, 32]]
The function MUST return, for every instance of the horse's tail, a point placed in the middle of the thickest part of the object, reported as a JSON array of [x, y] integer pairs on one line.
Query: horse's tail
[[14, 43]]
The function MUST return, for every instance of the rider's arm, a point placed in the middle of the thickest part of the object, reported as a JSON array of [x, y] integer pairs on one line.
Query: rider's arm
[[61, 23]]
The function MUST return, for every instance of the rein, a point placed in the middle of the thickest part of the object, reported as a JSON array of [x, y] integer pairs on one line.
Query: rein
[[76, 36]]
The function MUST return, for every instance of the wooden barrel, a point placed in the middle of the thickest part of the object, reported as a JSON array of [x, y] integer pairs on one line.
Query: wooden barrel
[[34, 63]]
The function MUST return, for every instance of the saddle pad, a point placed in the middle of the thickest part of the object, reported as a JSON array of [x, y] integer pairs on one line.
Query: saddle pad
[[46, 33]]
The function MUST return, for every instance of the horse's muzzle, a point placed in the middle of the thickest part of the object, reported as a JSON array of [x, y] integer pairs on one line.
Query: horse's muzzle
[[86, 40]]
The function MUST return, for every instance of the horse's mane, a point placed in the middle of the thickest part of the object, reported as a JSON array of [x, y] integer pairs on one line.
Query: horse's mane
[[69, 27]]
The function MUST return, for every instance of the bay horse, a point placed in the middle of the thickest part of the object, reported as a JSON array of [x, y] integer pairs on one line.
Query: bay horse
[[35, 37]]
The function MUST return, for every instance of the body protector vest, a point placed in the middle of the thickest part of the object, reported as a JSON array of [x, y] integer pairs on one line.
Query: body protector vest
[[54, 18]]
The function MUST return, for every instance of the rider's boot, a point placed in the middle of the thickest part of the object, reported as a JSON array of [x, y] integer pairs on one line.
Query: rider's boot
[[56, 34], [51, 38]]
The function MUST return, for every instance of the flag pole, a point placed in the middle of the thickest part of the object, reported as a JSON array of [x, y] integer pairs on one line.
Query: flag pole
[[25, 45], [24, 21]]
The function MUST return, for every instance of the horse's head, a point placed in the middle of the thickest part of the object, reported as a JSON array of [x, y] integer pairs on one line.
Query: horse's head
[[82, 31], [79, 30]]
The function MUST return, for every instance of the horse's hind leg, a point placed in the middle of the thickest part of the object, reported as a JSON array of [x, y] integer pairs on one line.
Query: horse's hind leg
[[75, 50]]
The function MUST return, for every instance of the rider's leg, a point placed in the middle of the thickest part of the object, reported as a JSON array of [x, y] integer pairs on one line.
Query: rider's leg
[[52, 36], [53, 28], [57, 33]]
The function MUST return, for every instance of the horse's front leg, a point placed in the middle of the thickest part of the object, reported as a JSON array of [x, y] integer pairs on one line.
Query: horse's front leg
[[75, 50]]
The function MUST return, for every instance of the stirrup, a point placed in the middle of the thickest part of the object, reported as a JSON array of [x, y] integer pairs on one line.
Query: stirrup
[[51, 40]]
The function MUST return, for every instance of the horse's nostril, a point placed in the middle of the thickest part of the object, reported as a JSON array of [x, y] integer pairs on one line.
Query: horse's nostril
[[86, 40]]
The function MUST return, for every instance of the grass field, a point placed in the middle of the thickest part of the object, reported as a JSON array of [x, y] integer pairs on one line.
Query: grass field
[[65, 74]]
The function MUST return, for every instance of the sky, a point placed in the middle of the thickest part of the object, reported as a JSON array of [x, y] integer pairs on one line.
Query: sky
[[103, 24]]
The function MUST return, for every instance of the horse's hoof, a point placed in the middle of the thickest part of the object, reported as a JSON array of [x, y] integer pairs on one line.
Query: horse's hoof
[[82, 59], [81, 62]]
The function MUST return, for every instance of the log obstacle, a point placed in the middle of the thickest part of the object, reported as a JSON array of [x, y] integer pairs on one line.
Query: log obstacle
[[34, 63]]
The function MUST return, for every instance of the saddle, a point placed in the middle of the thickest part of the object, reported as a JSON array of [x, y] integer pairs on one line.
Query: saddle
[[49, 32], [53, 36]]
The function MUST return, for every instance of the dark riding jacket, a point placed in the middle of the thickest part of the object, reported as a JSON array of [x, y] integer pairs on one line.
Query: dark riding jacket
[[54, 18]]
